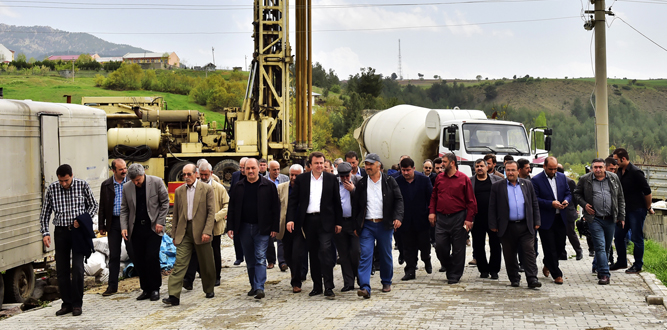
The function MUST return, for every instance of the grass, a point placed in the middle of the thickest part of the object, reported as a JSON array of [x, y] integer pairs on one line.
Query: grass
[[52, 88], [655, 260]]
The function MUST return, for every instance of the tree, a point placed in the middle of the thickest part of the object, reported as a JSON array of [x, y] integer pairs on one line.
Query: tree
[[366, 82], [394, 76], [21, 58], [479, 77]]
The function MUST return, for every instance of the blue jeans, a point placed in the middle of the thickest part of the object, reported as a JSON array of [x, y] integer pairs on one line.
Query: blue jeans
[[369, 234], [254, 250], [634, 221], [602, 232]]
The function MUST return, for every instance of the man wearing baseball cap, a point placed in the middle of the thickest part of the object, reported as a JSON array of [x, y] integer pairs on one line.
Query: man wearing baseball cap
[[346, 241]]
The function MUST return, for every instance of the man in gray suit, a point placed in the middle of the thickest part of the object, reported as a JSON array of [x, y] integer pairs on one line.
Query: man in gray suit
[[143, 212], [515, 215]]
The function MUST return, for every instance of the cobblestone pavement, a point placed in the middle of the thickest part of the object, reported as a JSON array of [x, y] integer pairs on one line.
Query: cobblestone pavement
[[425, 303]]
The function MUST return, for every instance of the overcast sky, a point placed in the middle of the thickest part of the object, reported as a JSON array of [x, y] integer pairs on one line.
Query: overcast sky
[[450, 38]]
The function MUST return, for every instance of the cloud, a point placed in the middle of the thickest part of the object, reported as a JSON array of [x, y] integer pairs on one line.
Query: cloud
[[359, 18], [4, 11], [460, 26], [342, 60]]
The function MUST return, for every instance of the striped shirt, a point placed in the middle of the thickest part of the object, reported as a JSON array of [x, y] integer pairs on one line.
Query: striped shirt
[[118, 196], [66, 204]]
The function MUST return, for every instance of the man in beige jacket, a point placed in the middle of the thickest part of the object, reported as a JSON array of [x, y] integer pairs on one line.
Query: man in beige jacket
[[192, 230]]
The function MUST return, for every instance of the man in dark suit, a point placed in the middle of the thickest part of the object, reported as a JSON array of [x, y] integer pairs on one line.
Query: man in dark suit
[[515, 220], [352, 158], [481, 185], [571, 218], [314, 205], [377, 210], [236, 177], [416, 191], [111, 195], [143, 216], [553, 196], [347, 243]]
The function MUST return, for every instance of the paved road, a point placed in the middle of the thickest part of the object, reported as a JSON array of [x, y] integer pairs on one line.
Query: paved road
[[427, 302]]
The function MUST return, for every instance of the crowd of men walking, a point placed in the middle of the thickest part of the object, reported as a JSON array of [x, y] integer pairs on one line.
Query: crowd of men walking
[[337, 212]]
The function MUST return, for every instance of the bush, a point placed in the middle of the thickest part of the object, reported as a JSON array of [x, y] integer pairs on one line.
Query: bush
[[127, 77], [99, 80]]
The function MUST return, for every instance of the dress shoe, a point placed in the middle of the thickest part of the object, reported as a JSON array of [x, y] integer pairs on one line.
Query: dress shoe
[[109, 292], [386, 287], [283, 267], [545, 271], [452, 281], [593, 270], [515, 284], [562, 257], [296, 289], [442, 269], [604, 280], [270, 266], [63, 311], [144, 295], [494, 276], [364, 293], [259, 294], [558, 280], [210, 295], [428, 267], [251, 292], [616, 266], [217, 282], [171, 300], [338, 261], [408, 277], [591, 253], [400, 260], [347, 288], [521, 270], [534, 284], [76, 311], [329, 293], [580, 255], [484, 275], [473, 262], [315, 292], [237, 262], [155, 295], [632, 270], [187, 285]]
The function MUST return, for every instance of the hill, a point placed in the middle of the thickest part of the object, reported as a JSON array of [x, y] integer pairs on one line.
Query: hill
[[41, 41]]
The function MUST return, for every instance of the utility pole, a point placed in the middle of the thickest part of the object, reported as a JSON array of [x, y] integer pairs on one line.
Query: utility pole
[[601, 100], [213, 51], [400, 69]]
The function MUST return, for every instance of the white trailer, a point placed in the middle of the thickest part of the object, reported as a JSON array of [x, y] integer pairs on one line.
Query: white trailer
[[423, 133], [36, 138]]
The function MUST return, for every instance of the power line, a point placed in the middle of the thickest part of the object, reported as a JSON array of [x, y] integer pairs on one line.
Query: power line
[[327, 30], [643, 35]]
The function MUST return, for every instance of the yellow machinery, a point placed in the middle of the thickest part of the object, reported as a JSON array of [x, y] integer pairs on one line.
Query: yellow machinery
[[142, 130]]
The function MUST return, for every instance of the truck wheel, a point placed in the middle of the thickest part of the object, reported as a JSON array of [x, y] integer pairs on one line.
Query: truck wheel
[[20, 283], [176, 171], [2, 291], [224, 169]]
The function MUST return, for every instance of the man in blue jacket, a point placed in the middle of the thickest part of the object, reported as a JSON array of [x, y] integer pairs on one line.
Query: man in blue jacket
[[553, 196]]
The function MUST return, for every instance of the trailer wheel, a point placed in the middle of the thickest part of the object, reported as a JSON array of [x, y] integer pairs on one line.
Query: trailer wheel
[[20, 283], [175, 173], [2, 290], [224, 169]]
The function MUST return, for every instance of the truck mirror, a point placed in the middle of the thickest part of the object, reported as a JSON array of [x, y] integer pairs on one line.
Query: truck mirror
[[547, 143], [548, 131], [451, 131]]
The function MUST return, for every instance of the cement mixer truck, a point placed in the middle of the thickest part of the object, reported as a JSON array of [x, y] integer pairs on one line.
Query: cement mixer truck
[[425, 133]]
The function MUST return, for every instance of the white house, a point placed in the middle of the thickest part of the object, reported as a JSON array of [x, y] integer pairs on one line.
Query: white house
[[6, 55]]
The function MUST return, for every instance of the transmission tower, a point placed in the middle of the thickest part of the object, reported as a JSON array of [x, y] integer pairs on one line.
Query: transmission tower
[[400, 70]]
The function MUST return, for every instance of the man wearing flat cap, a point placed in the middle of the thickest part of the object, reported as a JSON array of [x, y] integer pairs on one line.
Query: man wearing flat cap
[[346, 241], [377, 210]]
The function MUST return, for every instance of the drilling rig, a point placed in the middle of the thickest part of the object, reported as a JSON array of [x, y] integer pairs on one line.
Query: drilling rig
[[143, 130]]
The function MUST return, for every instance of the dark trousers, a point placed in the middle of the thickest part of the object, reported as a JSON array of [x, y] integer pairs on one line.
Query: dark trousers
[[634, 221], [552, 241], [348, 252], [115, 242], [572, 237], [71, 290], [517, 234], [296, 256], [450, 236], [413, 242], [398, 238], [319, 248], [272, 251], [146, 245], [193, 267], [238, 249], [479, 231]]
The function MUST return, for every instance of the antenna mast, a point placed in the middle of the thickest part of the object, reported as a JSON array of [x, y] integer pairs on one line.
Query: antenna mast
[[400, 70]]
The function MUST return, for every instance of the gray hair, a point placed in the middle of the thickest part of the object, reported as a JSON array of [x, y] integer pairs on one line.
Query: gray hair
[[135, 170], [274, 161], [296, 167], [243, 160], [205, 166], [199, 162], [337, 161]]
